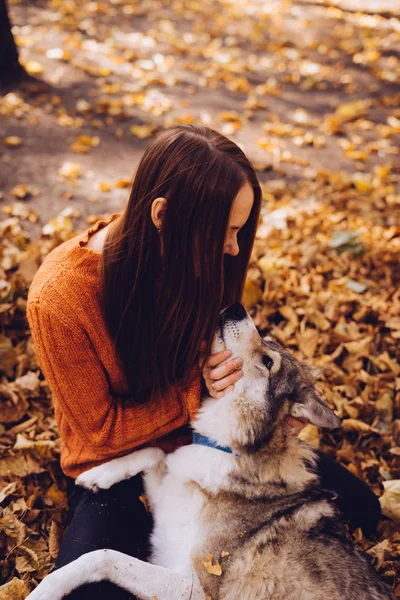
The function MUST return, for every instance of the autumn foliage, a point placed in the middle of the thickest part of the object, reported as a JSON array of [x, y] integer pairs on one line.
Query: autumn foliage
[[318, 115]]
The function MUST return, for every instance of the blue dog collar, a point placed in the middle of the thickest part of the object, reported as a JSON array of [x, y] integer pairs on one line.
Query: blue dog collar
[[202, 440]]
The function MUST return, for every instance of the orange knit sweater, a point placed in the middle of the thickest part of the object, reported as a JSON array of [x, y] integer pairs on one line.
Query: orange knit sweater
[[78, 360]]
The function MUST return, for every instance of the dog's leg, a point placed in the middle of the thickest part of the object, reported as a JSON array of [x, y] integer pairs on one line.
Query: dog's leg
[[105, 475], [207, 467], [153, 478], [142, 579]]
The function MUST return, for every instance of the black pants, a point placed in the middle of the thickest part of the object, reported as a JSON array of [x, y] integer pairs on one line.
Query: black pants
[[114, 519]]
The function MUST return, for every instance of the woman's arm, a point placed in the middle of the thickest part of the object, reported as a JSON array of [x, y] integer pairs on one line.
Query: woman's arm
[[356, 500], [81, 392]]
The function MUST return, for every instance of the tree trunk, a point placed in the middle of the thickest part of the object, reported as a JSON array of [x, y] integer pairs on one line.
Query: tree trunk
[[10, 69]]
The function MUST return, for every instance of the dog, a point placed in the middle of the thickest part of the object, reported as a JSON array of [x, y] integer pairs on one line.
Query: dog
[[243, 517]]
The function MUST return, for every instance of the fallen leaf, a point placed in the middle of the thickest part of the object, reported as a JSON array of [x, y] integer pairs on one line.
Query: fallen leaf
[[12, 141], [308, 342], [69, 170], [251, 294], [15, 589], [390, 500], [212, 567], [347, 241], [311, 435], [356, 425]]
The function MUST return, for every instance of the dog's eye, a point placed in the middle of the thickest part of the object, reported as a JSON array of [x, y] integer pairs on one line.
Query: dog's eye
[[267, 360]]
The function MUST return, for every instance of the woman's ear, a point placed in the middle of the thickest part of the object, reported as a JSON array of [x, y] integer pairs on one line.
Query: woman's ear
[[158, 208]]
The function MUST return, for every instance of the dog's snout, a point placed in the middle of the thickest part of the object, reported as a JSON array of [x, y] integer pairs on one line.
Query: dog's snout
[[235, 312]]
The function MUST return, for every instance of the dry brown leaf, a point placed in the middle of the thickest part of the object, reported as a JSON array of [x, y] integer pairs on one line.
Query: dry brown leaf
[[13, 406], [356, 425], [311, 435], [57, 496], [19, 466], [15, 589], [7, 490], [8, 356], [54, 539], [12, 527], [308, 342], [289, 314], [308, 252], [390, 500]]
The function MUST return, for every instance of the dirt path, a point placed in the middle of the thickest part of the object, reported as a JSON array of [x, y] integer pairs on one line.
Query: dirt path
[[269, 75]]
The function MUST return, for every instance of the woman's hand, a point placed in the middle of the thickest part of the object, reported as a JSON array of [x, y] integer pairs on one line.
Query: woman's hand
[[220, 379]]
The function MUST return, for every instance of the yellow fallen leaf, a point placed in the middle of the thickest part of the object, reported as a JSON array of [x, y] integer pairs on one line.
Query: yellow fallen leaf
[[211, 567], [359, 347], [308, 342], [352, 110], [311, 435], [390, 500], [143, 131], [145, 502], [69, 170], [104, 186], [33, 67], [122, 183], [289, 314], [362, 182], [57, 496], [84, 144], [12, 141], [21, 191], [356, 425], [58, 54], [251, 294]]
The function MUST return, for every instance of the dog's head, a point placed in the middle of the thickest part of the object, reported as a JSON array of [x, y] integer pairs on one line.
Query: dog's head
[[274, 384]]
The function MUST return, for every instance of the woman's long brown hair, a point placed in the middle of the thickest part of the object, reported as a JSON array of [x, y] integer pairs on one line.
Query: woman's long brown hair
[[160, 306]]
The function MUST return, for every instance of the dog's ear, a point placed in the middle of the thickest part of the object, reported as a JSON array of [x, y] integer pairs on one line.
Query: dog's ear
[[314, 371], [313, 409]]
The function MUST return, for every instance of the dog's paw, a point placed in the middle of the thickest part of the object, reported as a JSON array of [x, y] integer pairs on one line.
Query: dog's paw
[[97, 478], [104, 476]]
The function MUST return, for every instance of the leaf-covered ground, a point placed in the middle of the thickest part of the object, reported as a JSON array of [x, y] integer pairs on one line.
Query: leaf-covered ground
[[311, 93]]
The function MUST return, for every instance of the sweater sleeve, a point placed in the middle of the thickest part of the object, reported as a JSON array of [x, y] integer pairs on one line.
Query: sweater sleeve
[[80, 388], [357, 502]]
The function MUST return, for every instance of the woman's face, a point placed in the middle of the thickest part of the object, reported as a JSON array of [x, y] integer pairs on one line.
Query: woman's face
[[239, 214]]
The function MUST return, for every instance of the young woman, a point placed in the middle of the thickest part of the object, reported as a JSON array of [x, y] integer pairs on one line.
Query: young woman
[[122, 317]]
